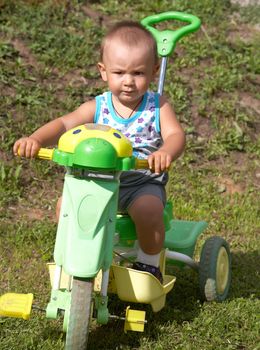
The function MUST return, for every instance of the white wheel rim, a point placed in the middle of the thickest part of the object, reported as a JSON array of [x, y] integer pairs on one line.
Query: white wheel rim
[[222, 270]]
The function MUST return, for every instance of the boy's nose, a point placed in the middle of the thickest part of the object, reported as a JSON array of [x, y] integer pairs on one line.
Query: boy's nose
[[128, 79]]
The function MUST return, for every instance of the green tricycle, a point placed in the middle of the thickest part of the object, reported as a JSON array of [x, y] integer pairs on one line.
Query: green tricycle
[[95, 244]]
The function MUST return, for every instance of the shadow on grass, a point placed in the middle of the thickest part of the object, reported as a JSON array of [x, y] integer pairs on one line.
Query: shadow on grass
[[181, 305], [245, 275]]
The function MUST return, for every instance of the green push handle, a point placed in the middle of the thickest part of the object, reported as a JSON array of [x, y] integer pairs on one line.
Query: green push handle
[[167, 39]]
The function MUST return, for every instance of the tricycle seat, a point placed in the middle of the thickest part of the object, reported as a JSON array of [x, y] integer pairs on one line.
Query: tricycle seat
[[180, 235]]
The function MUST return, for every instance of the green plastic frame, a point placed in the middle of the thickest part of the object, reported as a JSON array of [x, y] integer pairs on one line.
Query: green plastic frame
[[167, 39]]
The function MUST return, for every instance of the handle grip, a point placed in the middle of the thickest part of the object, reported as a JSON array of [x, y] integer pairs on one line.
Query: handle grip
[[167, 39], [43, 153], [141, 164]]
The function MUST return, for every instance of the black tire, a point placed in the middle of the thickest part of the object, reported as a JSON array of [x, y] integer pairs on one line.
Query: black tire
[[215, 270], [80, 314]]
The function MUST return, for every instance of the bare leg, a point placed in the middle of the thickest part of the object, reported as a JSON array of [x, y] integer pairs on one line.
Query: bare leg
[[58, 206], [147, 213]]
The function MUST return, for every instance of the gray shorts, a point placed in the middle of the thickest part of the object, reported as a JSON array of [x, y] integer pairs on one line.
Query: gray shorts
[[127, 195]]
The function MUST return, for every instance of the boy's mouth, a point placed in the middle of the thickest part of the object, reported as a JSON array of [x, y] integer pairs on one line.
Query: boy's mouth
[[128, 92]]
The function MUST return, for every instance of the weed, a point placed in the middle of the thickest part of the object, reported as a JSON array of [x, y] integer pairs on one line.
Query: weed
[[10, 190]]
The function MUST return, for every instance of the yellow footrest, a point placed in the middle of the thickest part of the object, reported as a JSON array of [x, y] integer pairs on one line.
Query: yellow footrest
[[142, 287], [134, 320], [16, 305]]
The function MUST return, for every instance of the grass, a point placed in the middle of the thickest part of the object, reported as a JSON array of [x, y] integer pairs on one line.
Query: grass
[[48, 51]]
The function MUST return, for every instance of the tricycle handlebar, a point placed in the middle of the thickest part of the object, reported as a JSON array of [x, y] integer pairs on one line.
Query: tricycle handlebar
[[47, 154], [93, 146], [167, 39]]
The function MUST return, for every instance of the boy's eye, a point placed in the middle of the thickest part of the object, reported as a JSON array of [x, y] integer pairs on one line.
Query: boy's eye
[[117, 72], [139, 73]]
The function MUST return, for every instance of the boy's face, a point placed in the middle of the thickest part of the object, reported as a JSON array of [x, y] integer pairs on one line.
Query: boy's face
[[127, 70]]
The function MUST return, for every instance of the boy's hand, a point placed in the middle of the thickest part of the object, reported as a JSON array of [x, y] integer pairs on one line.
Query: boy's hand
[[26, 147], [159, 161]]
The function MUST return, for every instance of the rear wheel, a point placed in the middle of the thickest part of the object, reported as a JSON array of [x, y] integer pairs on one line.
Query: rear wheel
[[80, 314], [215, 269]]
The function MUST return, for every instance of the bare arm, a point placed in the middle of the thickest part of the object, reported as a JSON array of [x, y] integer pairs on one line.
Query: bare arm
[[173, 139], [49, 134]]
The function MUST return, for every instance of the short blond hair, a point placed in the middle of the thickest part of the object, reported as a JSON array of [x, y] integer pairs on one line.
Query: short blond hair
[[133, 34]]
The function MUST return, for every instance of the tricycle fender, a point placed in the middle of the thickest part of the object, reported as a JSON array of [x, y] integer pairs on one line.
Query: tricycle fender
[[84, 242]]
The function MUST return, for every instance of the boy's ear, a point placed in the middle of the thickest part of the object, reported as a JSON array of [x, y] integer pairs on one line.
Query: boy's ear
[[102, 70], [156, 69]]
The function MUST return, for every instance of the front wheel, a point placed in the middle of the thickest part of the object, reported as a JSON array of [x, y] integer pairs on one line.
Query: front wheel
[[215, 269], [80, 314]]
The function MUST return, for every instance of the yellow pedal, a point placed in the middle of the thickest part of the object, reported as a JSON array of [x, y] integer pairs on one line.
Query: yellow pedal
[[16, 305], [134, 320]]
